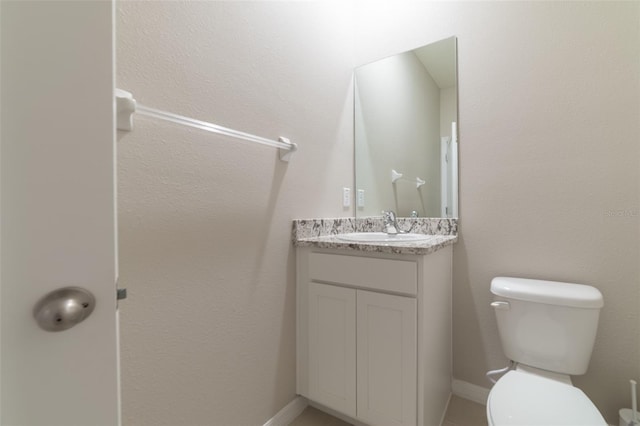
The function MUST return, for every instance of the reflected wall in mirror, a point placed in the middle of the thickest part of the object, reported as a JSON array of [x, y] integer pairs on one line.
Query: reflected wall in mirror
[[406, 147]]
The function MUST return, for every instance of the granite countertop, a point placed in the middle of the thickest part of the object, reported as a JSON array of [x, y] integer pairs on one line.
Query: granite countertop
[[323, 233], [435, 242]]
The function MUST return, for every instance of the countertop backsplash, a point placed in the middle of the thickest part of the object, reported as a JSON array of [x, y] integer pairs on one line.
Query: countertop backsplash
[[309, 228]]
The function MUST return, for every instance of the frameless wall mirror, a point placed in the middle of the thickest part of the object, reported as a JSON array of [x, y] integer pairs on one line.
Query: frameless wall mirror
[[406, 144]]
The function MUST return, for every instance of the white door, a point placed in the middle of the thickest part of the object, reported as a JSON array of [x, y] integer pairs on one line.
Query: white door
[[387, 359], [332, 347], [449, 173], [57, 193]]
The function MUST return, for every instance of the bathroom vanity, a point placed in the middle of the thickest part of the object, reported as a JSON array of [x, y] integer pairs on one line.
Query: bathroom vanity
[[374, 306], [374, 325]]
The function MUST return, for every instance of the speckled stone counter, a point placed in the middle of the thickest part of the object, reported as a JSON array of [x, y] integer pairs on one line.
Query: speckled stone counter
[[322, 233]]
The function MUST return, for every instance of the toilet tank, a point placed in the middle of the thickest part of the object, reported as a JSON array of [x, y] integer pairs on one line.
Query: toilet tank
[[547, 324]]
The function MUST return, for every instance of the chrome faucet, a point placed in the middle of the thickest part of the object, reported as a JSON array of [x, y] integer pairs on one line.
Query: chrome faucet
[[390, 224]]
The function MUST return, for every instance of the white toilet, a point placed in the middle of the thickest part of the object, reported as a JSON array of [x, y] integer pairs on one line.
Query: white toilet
[[547, 329]]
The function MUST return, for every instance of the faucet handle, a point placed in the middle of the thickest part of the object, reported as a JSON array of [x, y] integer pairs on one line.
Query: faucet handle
[[389, 215], [389, 219]]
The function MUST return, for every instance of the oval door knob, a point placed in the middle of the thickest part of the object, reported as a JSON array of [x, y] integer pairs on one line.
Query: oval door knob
[[63, 308]]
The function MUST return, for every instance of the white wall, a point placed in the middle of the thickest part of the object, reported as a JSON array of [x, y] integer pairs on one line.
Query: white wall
[[208, 330], [549, 113], [549, 130]]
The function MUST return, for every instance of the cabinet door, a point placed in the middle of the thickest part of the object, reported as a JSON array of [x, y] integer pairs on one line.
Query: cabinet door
[[332, 347], [387, 351]]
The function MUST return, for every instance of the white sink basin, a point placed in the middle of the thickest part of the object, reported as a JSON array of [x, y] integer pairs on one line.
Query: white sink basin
[[381, 237]]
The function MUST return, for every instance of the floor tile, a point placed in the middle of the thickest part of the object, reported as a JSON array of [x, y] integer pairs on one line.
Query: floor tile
[[313, 417], [461, 412]]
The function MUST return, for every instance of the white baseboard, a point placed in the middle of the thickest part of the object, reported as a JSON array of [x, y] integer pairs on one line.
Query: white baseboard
[[336, 414], [288, 413], [470, 391]]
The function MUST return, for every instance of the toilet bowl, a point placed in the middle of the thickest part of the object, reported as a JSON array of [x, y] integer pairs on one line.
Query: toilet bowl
[[523, 398], [548, 329]]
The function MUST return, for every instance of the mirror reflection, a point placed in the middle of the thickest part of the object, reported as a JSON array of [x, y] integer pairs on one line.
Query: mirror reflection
[[406, 147]]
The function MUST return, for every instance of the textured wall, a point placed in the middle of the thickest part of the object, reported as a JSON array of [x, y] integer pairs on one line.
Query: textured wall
[[549, 154], [208, 330], [549, 113]]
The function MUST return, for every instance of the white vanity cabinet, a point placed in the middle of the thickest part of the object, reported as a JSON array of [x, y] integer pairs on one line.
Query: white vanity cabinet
[[374, 334]]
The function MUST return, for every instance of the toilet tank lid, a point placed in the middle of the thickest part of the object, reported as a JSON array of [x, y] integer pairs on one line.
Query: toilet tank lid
[[548, 292]]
